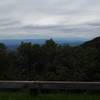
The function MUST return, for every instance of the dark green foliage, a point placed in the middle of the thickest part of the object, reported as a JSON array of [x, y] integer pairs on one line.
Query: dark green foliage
[[50, 61], [49, 96]]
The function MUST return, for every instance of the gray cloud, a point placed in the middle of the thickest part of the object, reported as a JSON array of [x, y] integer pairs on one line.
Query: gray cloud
[[49, 18]]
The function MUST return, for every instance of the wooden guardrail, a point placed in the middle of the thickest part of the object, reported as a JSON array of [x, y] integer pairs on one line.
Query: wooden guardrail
[[50, 85]]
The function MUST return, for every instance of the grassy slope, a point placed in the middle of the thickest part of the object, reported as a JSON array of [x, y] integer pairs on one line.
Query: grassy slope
[[26, 96]]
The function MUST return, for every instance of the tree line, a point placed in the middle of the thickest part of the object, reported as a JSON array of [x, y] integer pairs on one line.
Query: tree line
[[50, 62]]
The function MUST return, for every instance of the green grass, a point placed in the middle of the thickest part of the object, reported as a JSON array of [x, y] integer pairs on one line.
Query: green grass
[[56, 96]]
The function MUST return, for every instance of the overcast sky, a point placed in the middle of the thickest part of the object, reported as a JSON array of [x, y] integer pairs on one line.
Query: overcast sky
[[49, 19]]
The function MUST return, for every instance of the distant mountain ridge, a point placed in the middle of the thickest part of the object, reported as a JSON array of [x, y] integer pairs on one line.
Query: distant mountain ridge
[[14, 43], [93, 43]]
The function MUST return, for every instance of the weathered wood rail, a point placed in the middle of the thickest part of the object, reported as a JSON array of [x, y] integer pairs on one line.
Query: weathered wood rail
[[49, 85]]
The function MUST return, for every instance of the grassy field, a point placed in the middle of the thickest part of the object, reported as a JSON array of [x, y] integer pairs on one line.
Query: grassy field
[[58, 96]]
